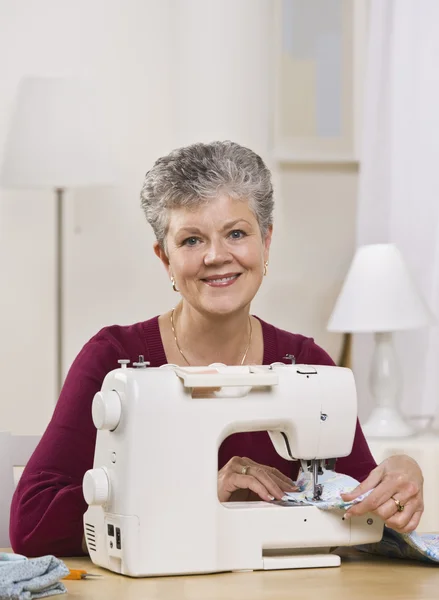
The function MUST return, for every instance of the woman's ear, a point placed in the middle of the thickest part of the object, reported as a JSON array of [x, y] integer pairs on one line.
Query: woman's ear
[[267, 242], [158, 250]]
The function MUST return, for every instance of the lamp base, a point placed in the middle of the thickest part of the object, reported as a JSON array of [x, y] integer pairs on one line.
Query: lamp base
[[386, 422]]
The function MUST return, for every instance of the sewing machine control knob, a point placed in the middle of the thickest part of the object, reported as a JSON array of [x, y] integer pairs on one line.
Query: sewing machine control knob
[[106, 410], [96, 487]]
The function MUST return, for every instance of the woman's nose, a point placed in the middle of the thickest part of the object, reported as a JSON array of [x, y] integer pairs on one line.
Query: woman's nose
[[217, 253]]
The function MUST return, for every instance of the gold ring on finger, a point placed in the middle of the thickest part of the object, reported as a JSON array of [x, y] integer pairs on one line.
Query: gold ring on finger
[[399, 506], [244, 470]]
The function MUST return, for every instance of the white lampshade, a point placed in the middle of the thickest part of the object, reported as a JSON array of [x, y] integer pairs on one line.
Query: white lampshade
[[378, 294], [56, 138]]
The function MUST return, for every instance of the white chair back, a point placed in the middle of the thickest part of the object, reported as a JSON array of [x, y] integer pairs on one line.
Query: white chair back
[[15, 451]]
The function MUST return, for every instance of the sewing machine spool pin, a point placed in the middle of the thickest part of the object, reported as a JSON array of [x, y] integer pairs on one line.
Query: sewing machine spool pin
[[290, 357], [141, 364]]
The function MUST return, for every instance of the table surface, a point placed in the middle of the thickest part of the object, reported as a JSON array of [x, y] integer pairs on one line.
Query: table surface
[[361, 576]]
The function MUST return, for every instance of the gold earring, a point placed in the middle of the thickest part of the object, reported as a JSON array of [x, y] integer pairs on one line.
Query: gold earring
[[265, 267], [174, 287]]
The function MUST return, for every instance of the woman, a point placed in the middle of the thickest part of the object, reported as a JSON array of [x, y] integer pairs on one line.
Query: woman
[[210, 206]]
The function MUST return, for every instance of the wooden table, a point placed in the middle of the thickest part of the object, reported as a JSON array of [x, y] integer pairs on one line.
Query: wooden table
[[360, 576]]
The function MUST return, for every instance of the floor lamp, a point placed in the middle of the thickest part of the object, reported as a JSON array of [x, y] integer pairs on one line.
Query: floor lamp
[[379, 296], [56, 141]]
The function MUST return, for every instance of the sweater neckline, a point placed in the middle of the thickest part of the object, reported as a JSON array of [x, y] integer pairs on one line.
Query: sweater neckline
[[156, 350]]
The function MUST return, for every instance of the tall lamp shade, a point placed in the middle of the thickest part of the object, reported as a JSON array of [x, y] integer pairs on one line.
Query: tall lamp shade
[[380, 296], [56, 140]]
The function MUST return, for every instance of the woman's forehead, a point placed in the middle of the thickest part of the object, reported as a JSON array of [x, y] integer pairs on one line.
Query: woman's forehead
[[214, 213]]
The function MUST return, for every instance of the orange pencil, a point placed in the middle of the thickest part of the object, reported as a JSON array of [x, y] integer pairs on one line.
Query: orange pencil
[[79, 574]]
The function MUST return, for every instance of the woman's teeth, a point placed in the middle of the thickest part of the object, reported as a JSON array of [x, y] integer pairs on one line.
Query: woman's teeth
[[223, 279]]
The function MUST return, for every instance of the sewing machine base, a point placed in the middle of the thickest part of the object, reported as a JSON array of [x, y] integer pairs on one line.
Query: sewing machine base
[[261, 536]]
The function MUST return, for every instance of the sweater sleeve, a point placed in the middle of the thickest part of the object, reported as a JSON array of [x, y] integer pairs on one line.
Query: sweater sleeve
[[48, 506], [360, 461]]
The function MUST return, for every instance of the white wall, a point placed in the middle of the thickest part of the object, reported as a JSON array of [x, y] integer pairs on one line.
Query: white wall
[[124, 46], [111, 274], [312, 249]]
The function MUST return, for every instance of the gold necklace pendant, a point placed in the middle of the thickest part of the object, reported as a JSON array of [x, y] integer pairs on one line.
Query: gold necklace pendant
[[181, 351]]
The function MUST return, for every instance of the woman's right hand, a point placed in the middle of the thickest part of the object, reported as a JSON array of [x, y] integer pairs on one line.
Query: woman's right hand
[[243, 473]]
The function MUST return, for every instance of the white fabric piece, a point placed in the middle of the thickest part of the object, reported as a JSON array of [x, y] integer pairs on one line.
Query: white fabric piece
[[333, 484]]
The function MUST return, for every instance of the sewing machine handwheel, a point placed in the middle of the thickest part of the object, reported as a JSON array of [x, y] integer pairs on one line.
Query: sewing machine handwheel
[[106, 410], [96, 487]]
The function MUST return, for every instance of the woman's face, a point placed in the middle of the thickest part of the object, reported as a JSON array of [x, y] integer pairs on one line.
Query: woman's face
[[216, 255]]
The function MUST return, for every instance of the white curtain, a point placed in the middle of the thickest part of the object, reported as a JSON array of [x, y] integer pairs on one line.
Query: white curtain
[[399, 179]]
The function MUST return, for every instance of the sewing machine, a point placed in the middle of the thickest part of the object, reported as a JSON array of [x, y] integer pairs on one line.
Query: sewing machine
[[152, 494]]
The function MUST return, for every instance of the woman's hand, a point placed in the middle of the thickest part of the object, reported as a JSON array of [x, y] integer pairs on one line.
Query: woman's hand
[[243, 473], [397, 497]]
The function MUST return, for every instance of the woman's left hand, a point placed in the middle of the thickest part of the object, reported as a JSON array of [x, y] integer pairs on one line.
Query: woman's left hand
[[398, 495]]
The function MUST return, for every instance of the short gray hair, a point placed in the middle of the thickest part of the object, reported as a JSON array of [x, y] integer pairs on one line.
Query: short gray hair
[[191, 176]]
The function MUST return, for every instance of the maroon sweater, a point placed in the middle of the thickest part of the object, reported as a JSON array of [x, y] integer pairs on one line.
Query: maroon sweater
[[48, 505]]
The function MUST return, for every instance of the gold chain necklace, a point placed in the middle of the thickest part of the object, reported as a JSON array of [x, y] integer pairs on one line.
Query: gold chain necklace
[[181, 351]]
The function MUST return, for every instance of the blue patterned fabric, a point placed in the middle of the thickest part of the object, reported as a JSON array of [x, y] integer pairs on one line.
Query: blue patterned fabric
[[333, 483], [26, 579], [413, 545]]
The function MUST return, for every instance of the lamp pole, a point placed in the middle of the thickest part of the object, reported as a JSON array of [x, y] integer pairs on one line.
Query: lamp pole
[[59, 220]]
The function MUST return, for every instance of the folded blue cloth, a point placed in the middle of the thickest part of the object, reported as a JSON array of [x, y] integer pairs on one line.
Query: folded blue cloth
[[413, 545], [25, 579]]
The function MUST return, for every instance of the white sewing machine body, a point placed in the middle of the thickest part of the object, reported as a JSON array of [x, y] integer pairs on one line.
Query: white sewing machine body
[[154, 508]]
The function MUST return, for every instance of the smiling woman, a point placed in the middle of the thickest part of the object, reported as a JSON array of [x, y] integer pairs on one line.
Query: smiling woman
[[211, 208]]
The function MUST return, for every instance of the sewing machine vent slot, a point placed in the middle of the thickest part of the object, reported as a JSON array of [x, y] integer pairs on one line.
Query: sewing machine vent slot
[[90, 535]]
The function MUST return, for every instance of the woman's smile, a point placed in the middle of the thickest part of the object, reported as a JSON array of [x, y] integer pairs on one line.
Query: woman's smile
[[221, 280]]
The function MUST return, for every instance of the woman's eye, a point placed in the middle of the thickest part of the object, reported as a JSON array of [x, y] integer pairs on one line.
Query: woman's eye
[[192, 241], [237, 234]]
